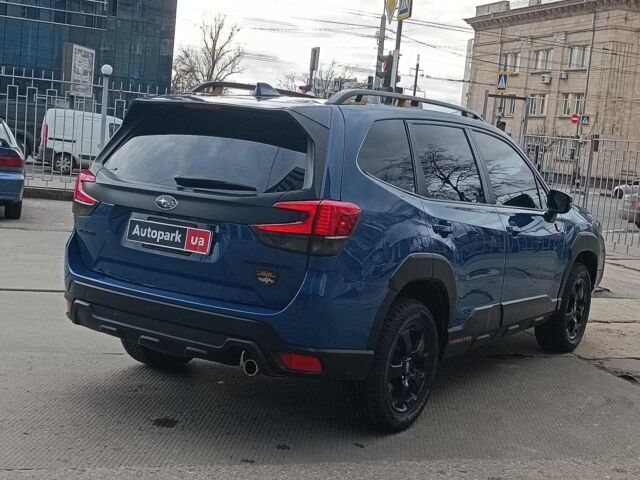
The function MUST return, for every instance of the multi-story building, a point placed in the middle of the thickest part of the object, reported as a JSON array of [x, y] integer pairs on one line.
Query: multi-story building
[[135, 37], [568, 57]]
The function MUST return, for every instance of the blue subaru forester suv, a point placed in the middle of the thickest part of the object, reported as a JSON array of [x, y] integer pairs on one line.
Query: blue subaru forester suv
[[346, 240]]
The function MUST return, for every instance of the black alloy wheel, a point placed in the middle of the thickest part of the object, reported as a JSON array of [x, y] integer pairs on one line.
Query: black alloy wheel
[[407, 367]]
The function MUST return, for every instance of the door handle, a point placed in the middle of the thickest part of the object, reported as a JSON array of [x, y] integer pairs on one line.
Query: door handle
[[443, 229], [513, 230]]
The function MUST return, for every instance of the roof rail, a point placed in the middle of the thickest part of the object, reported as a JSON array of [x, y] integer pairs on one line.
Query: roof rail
[[217, 88], [341, 97]]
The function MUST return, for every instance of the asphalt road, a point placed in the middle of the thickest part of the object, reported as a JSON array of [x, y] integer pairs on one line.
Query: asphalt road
[[73, 405]]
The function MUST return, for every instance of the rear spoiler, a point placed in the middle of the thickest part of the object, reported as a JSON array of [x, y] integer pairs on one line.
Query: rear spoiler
[[260, 90]]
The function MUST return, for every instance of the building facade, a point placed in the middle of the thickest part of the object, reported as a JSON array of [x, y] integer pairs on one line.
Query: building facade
[[567, 57], [136, 37]]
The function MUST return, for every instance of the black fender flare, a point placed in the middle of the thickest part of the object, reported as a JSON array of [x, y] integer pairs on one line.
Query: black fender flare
[[415, 268], [584, 242]]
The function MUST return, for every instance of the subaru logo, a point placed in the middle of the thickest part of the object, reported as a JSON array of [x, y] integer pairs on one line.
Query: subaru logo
[[166, 202]]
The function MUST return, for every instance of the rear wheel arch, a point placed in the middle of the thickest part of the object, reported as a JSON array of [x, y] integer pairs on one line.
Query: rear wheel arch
[[429, 279], [585, 250]]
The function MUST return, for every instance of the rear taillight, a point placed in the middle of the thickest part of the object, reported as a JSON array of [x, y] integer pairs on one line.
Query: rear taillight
[[323, 227], [11, 163], [83, 203]]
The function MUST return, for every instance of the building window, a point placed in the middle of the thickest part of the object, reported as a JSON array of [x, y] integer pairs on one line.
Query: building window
[[544, 59], [509, 107], [511, 62], [578, 56], [538, 104], [572, 103]]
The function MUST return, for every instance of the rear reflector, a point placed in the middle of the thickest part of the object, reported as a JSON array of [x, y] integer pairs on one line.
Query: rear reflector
[[79, 195], [322, 218], [11, 163], [300, 363]]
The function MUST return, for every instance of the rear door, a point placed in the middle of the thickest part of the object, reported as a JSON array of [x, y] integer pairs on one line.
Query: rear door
[[535, 256], [465, 229], [214, 172]]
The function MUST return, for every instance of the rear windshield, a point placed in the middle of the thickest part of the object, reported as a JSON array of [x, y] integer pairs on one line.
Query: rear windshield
[[219, 149]]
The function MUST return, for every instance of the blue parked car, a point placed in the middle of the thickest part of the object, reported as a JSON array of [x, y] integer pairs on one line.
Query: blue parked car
[[339, 240], [11, 173]]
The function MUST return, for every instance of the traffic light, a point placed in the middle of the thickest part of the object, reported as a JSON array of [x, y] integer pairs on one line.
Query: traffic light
[[387, 67]]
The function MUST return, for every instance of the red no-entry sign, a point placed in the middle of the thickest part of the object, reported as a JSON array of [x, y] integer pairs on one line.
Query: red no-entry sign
[[575, 118]]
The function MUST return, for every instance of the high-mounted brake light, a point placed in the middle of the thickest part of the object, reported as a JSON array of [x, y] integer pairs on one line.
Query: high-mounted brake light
[[323, 228]]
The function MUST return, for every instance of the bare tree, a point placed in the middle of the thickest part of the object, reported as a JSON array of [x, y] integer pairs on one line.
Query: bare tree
[[330, 78], [291, 82], [217, 57]]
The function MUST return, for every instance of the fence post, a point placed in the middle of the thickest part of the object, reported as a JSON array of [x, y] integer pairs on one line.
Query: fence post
[[485, 104], [587, 187], [525, 122], [107, 71]]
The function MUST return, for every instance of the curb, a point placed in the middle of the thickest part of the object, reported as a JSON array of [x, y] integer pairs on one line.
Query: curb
[[48, 194]]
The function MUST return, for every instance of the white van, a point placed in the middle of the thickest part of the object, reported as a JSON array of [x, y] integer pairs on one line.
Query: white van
[[70, 139]]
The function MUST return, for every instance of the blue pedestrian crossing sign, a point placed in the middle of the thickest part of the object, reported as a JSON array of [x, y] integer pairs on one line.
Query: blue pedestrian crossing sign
[[585, 120], [503, 80]]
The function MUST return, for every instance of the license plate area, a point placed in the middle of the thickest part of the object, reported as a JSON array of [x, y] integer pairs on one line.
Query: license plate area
[[169, 237]]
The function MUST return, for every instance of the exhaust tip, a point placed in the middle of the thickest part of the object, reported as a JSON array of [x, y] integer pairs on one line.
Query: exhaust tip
[[250, 368], [249, 365]]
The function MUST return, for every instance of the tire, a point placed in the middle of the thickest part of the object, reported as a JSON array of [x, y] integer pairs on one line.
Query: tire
[[13, 211], [63, 163], [380, 398], [563, 333], [153, 358]]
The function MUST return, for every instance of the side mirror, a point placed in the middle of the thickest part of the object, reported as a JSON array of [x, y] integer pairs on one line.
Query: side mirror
[[557, 203]]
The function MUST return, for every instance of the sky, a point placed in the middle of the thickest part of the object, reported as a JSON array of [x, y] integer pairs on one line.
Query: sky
[[278, 36]]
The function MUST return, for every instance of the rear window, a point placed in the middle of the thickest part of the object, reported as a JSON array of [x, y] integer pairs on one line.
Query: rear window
[[226, 148]]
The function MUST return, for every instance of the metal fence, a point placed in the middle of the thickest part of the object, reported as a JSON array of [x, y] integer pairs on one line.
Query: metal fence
[[599, 174], [60, 130], [602, 175]]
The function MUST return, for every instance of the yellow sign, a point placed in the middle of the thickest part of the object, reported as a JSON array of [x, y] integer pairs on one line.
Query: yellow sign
[[391, 6], [405, 10]]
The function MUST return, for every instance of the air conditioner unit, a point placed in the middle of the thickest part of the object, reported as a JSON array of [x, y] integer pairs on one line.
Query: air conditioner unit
[[564, 75], [546, 79]]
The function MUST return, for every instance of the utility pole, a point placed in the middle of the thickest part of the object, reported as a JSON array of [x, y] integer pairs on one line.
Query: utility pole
[[397, 56], [381, 34], [415, 80]]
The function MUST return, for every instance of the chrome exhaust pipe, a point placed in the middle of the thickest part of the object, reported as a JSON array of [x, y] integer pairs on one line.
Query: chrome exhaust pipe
[[248, 365]]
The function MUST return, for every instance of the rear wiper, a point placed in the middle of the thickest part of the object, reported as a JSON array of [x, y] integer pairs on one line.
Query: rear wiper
[[211, 184]]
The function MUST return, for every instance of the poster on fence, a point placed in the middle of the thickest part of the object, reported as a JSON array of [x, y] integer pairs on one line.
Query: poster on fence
[[79, 65]]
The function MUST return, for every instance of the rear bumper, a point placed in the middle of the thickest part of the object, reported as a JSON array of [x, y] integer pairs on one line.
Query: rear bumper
[[195, 333], [11, 187]]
